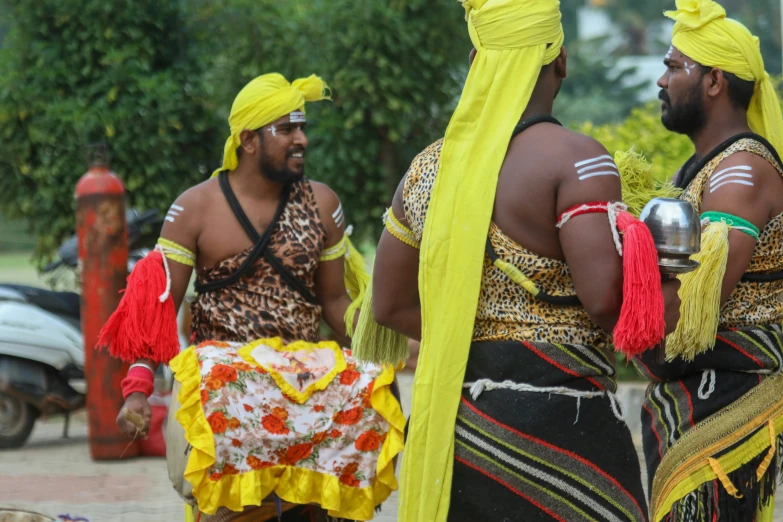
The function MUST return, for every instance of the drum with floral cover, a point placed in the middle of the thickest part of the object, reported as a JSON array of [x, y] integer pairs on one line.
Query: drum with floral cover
[[304, 420]]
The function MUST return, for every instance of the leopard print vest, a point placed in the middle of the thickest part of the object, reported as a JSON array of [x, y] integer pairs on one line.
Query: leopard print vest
[[507, 312], [261, 304]]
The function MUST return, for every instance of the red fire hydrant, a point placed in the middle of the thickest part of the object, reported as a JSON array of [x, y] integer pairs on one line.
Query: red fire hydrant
[[103, 256]]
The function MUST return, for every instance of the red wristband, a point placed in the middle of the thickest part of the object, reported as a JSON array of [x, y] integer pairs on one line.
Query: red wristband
[[138, 380]]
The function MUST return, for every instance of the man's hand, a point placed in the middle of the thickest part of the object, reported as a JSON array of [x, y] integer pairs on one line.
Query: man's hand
[[136, 405], [671, 304]]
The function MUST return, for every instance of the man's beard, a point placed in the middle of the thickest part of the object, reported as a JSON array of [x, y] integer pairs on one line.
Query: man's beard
[[279, 175], [687, 117]]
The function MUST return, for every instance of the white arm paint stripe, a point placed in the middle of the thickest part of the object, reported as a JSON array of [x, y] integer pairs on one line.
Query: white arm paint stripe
[[339, 222], [173, 213], [170, 219], [177, 207], [738, 182], [713, 181], [602, 173], [738, 167], [597, 165], [338, 211], [592, 160]]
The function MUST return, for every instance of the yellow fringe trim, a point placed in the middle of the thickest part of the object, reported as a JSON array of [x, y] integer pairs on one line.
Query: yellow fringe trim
[[770, 454], [276, 343], [335, 252], [356, 282], [700, 297], [299, 486], [730, 488], [398, 230], [638, 183], [686, 465], [177, 252], [375, 343]]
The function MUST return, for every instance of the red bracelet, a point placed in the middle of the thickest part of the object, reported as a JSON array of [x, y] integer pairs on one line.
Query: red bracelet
[[139, 379]]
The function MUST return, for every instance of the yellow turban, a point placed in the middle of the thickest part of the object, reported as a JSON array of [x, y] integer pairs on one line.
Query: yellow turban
[[514, 40], [703, 33], [264, 100]]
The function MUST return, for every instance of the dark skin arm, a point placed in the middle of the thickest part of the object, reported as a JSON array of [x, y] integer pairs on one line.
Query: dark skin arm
[[396, 280], [184, 230], [330, 275], [757, 204]]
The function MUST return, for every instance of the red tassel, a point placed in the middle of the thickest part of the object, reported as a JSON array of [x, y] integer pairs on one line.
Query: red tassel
[[641, 325], [142, 327]]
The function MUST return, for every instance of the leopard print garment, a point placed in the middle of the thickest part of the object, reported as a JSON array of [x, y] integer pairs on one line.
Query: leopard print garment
[[506, 311], [750, 303], [260, 304]]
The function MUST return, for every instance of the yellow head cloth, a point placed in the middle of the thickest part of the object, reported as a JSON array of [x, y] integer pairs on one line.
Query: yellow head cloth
[[514, 39], [264, 100], [703, 33]]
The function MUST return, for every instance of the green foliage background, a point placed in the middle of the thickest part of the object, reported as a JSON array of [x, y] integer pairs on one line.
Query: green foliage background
[[74, 72]]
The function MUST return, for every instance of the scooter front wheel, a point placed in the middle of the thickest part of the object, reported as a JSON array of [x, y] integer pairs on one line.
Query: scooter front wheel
[[16, 421]]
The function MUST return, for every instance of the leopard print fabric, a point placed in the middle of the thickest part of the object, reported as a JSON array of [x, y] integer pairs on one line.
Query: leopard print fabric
[[506, 311], [260, 304], [750, 303]]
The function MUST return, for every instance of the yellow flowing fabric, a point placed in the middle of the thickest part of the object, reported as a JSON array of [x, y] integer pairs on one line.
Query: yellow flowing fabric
[[514, 40], [265, 99], [703, 33]]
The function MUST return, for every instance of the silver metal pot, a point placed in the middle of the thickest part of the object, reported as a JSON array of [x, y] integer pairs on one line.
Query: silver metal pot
[[676, 230]]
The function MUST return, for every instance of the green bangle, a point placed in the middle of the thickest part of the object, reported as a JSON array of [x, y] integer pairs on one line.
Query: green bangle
[[736, 222]]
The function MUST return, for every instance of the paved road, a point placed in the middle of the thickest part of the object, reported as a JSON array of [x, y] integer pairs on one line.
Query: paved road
[[56, 477]]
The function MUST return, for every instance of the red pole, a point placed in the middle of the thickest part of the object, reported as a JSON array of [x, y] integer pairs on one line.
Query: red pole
[[103, 255]]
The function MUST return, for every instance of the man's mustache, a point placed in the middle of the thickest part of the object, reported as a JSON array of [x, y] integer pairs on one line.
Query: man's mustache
[[664, 96]]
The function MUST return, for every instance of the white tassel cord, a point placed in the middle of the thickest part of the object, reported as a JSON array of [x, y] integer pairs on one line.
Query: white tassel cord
[[482, 385]]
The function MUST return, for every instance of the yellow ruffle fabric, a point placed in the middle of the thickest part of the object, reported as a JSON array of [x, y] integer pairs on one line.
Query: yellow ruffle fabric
[[299, 486], [276, 343]]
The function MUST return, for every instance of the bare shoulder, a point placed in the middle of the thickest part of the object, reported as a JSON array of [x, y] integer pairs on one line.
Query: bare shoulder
[[744, 169], [325, 197], [183, 220]]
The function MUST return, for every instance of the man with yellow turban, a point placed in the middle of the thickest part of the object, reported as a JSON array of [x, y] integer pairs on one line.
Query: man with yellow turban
[[502, 254], [266, 419], [713, 415]]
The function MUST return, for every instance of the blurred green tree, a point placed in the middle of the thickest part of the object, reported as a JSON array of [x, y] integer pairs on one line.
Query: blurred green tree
[[78, 72]]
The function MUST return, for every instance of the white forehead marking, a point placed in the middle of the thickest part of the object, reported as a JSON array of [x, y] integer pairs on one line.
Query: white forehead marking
[[273, 130], [298, 117], [669, 53]]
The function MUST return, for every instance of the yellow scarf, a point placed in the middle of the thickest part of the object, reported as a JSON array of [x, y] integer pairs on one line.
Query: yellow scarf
[[703, 33], [511, 37], [265, 99]]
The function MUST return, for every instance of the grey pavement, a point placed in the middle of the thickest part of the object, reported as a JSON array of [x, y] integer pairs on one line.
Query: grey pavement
[[56, 476]]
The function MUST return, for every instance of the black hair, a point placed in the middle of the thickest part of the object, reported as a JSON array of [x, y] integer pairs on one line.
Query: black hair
[[740, 91]]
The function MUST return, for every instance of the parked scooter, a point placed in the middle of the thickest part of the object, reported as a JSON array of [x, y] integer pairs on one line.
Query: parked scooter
[[41, 345]]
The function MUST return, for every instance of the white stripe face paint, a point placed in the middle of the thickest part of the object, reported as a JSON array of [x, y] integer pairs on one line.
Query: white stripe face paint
[[273, 130], [338, 216], [669, 53], [594, 167], [173, 213], [593, 160], [736, 181], [298, 117], [739, 175]]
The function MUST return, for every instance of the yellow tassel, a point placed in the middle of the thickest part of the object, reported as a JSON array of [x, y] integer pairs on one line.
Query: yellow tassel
[[638, 184], [700, 297], [356, 281], [375, 343]]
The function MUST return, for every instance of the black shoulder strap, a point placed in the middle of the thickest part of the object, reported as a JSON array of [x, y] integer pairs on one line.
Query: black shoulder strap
[[692, 168], [559, 300], [291, 279], [535, 120]]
